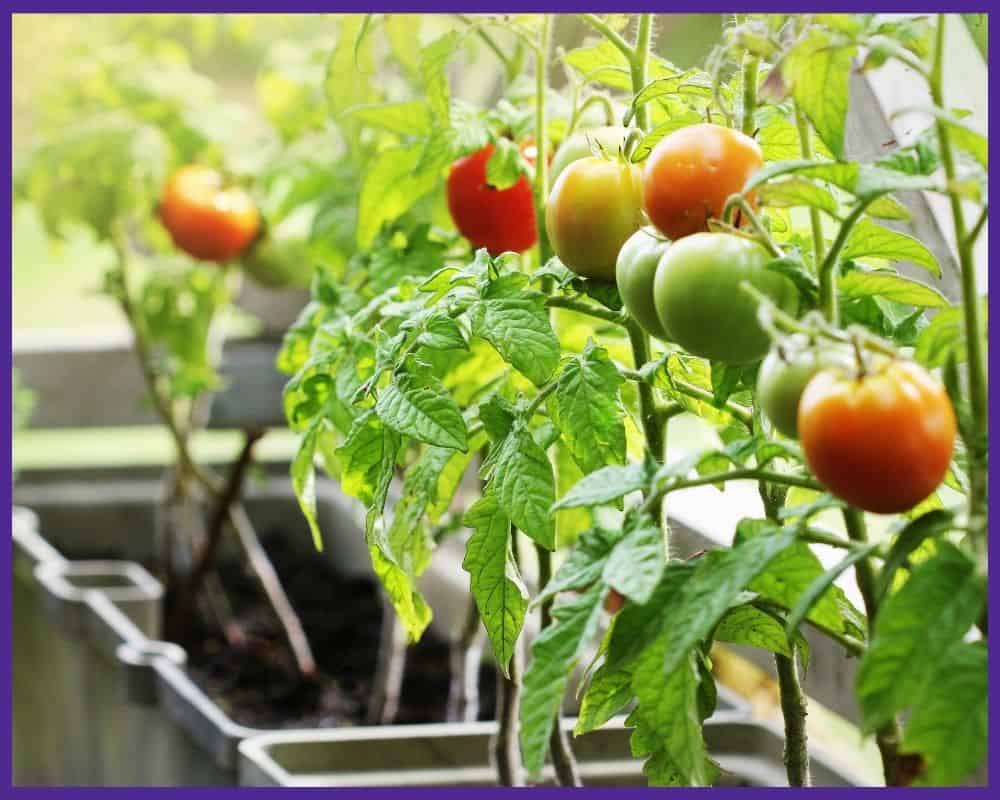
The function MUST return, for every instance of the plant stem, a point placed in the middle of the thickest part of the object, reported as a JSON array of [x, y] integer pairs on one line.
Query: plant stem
[[651, 427], [589, 309], [887, 737], [613, 37], [506, 746], [805, 146], [566, 769], [466, 654], [491, 43], [388, 681], [794, 710], [637, 66], [830, 266], [741, 413], [740, 202], [976, 442], [751, 65], [541, 183]]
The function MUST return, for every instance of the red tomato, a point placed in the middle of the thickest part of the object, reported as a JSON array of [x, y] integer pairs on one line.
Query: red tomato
[[205, 219], [882, 442], [692, 172], [498, 220]]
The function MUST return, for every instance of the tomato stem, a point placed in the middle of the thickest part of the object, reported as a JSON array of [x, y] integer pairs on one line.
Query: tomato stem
[[829, 269], [815, 222], [541, 137], [793, 709], [751, 66], [637, 63], [977, 442], [887, 736], [738, 201]]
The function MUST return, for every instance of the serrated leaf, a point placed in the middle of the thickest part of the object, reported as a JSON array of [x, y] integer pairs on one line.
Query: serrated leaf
[[521, 477], [407, 602], [718, 580], [793, 192], [914, 631], [752, 627], [584, 564], [495, 580], [609, 691], [587, 408], [391, 187], [518, 328], [869, 240], [817, 69], [504, 167], [407, 118], [822, 584], [949, 727], [891, 286], [553, 656], [888, 207], [791, 573], [368, 457], [930, 525], [946, 336], [303, 472], [441, 332], [636, 563], [422, 409], [604, 486], [667, 720]]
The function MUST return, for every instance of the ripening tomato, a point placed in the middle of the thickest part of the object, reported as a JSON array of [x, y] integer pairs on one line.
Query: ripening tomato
[[699, 301], [691, 173], [785, 372], [635, 272], [594, 207], [205, 219], [497, 219], [282, 257], [614, 601], [611, 138], [882, 441]]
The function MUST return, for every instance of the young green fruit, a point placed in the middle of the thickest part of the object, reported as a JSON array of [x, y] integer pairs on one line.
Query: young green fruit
[[635, 272], [699, 300], [784, 374]]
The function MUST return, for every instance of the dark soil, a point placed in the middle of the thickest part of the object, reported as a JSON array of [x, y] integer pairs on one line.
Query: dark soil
[[253, 677]]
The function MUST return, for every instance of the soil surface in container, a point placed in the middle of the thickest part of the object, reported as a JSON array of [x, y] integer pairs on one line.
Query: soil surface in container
[[251, 674]]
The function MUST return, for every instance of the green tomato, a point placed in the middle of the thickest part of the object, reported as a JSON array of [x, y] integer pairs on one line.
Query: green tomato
[[699, 300], [594, 207], [577, 146], [635, 272], [282, 256], [784, 374]]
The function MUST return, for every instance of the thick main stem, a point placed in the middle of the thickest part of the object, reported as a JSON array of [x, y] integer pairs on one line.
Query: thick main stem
[[465, 656], [793, 708], [506, 746], [977, 386], [887, 737], [637, 66], [830, 267], [541, 184]]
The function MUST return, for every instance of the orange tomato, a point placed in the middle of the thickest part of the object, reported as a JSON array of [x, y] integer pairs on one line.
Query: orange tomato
[[613, 602], [691, 173], [883, 441], [205, 219]]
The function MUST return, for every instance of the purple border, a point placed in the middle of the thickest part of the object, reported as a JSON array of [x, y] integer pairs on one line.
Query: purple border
[[443, 6]]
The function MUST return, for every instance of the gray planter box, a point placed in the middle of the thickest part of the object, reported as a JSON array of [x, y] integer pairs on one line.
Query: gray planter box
[[100, 700]]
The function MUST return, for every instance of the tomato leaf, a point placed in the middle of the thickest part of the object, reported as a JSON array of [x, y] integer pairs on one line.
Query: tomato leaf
[[518, 328], [915, 629], [521, 477], [859, 283], [587, 408], [303, 472], [609, 691], [931, 525], [421, 408], [752, 627], [949, 726], [605, 485], [367, 458], [553, 655], [636, 562], [667, 720], [495, 580], [584, 565], [797, 191], [391, 188], [869, 240], [818, 68]]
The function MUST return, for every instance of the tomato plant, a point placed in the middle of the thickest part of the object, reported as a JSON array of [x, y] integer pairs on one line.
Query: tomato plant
[[595, 205], [882, 441]]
